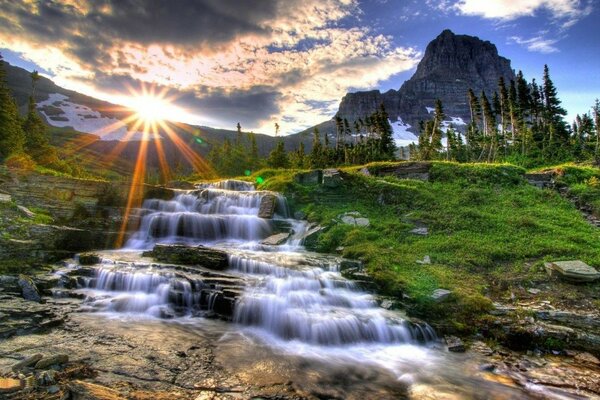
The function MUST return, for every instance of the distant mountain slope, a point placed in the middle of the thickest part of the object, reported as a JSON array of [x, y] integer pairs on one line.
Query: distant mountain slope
[[78, 122]]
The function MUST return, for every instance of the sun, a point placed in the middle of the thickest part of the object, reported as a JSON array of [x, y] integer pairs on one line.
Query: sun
[[151, 109]]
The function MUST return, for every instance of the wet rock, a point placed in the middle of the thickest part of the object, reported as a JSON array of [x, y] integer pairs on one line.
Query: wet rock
[[10, 285], [420, 231], [89, 259], [81, 390], [425, 261], [53, 389], [27, 362], [454, 344], [387, 304], [481, 348], [574, 271], [9, 385], [351, 264], [311, 237], [47, 377], [440, 295], [332, 178], [276, 240], [314, 177], [190, 255], [267, 206], [57, 359], [28, 289]]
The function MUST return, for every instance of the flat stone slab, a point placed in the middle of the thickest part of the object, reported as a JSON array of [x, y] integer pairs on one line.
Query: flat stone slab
[[575, 271], [276, 240], [189, 255]]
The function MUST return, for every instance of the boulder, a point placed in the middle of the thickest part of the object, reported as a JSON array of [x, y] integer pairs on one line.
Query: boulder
[[454, 344], [354, 218], [267, 206], [276, 240], [27, 362], [28, 289], [575, 271], [89, 259], [540, 180], [420, 231], [314, 177], [52, 360], [440, 295], [190, 255], [332, 178]]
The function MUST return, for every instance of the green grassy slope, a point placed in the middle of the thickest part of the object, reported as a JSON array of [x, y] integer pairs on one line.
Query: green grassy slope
[[488, 230]]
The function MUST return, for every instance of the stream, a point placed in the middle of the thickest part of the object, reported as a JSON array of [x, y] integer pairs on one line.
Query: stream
[[279, 318]]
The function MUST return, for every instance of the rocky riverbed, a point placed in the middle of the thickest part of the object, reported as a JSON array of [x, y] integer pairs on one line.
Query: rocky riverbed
[[94, 354]]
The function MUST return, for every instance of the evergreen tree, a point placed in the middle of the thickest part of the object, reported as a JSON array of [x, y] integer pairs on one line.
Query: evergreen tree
[[278, 157], [596, 111], [316, 154], [387, 145], [553, 115], [37, 144], [12, 138]]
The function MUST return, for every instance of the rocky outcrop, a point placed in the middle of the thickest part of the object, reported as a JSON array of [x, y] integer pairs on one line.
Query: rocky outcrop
[[190, 255], [451, 65], [268, 204], [403, 170]]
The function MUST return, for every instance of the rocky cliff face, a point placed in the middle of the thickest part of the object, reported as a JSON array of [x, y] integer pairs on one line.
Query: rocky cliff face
[[452, 64]]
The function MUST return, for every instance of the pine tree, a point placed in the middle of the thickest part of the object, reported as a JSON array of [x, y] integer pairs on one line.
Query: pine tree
[[37, 143], [387, 145], [596, 111], [316, 154], [278, 157], [12, 138], [554, 113]]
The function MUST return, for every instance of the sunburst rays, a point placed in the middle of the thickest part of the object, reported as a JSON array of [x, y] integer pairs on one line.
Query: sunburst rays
[[146, 121]]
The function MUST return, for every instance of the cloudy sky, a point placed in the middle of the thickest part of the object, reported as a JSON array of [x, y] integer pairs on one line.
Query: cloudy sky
[[287, 61]]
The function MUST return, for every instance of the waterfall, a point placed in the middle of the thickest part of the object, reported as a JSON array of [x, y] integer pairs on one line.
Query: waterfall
[[287, 293], [316, 305], [216, 212]]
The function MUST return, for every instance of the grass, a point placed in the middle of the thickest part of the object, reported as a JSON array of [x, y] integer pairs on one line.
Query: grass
[[486, 226]]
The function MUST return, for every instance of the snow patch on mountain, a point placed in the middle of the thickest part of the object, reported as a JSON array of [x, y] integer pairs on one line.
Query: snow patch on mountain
[[402, 135], [83, 119]]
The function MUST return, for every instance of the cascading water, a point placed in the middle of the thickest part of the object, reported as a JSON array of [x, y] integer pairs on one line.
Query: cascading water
[[224, 211], [293, 295]]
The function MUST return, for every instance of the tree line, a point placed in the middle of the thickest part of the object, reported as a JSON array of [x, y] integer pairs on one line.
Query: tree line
[[523, 123], [369, 139]]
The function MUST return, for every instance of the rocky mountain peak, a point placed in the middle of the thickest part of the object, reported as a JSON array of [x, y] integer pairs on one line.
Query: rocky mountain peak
[[450, 66]]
